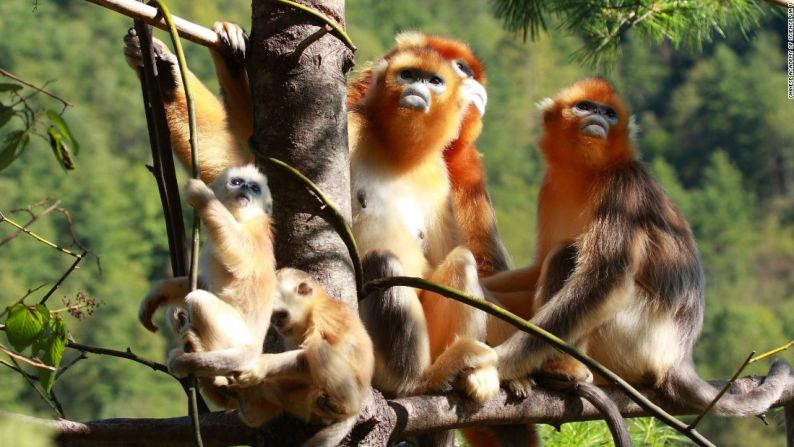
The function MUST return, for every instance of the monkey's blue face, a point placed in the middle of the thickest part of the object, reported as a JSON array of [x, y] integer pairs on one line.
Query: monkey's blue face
[[244, 189]]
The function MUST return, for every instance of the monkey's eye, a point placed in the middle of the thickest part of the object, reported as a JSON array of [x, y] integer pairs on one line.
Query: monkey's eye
[[586, 106], [436, 80], [407, 74], [304, 289], [610, 112], [464, 68], [236, 181], [255, 188]]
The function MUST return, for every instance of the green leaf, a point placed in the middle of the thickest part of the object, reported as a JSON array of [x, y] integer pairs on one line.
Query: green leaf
[[7, 87], [25, 325], [60, 148], [63, 129], [6, 113], [53, 351], [12, 146]]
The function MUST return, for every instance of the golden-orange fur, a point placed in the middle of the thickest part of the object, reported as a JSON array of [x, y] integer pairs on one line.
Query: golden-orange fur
[[330, 377], [618, 273], [228, 318], [472, 204], [403, 221]]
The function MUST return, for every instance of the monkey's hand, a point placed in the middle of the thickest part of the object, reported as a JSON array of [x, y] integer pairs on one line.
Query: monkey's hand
[[198, 194], [233, 37], [167, 64], [250, 377]]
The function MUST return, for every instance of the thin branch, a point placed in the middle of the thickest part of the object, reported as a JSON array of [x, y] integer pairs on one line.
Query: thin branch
[[22, 81], [335, 26], [63, 368], [33, 218], [345, 232], [39, 391], [772, 352], [62, 278], [306, 43], [3, 218], [552, 339], [194, 148], [722, 391], [22, 358], [147, 14], [128, 354]]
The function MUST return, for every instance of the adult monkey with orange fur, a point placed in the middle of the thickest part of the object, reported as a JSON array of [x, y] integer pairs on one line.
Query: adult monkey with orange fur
[[620, 275], [471, 202], [404, 224]]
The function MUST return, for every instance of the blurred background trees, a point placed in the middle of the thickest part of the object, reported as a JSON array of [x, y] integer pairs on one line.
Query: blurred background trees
[[715, 128]]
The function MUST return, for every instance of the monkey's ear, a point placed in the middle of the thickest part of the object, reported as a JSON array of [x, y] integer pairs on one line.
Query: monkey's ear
[[546, 107], [304, 289]]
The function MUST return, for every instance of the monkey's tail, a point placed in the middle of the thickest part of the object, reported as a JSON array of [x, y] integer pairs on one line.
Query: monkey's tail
[[687, 386]]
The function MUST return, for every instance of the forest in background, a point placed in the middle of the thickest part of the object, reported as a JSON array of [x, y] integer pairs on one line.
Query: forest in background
[[715, 127]]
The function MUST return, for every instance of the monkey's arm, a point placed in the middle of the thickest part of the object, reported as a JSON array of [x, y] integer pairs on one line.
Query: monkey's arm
[[167, 292], [218, 147], [598, 287], [473, 209], [233, 79], [232, 243]]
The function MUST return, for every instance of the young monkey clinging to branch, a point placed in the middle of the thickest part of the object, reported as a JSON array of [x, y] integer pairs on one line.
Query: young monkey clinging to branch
[[411, 109], [618, 273], [336, 359], [228, 319]]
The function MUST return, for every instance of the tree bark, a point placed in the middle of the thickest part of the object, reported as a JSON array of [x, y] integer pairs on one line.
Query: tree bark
[[300, 118], [381, 420]]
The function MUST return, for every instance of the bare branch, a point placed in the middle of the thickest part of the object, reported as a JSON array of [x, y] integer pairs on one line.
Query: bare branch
[[401, 417], [22, 81]]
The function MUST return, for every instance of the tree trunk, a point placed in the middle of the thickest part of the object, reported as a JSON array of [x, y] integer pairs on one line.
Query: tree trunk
[[300, 118]]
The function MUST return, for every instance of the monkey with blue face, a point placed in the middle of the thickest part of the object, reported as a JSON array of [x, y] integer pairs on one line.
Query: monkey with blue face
[[228, 317]]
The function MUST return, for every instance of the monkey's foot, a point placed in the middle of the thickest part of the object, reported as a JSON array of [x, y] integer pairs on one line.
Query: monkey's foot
[[232, 36], [520, 388], [482, 383]]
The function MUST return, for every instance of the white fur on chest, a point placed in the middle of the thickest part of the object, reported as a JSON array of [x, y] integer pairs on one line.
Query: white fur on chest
[[380, 198]]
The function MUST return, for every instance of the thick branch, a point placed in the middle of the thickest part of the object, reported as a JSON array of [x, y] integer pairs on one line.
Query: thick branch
[[402, 417]]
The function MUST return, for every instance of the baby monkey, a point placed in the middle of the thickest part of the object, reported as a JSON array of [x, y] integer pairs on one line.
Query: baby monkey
[[334, 369], [227, 318]]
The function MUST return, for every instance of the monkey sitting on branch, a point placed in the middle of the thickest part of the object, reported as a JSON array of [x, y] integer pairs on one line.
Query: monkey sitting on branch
[[227, 318], [329, 380], [411, 106], [618, 273]]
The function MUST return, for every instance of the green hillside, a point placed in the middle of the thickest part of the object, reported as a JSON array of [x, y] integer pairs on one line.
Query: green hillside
[[715, 128]]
